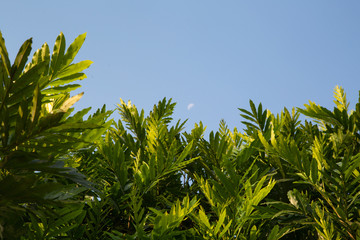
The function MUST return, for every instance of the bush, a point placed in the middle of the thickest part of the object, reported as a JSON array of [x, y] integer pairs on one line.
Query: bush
[[144, 177]]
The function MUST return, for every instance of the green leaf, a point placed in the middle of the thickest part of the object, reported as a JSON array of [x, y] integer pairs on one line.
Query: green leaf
[[340, 99], [21, 59], [226, 183], [62, 89], [30, 77], [314, 171], [226, 228], [80, 126], [73, 49], [275, 234], [261, 192], [45, 56], [320, 113], [185, 152], [79, 115], [36, 105], [35, 225], [50, 120], [204, 219], [74, 68], [67, 217], [58, 54], [3, 80], [355, 163], [40, 55], [220, 221], [66, 192], [25, 93], [21, 120], [68, 79], [61, 230], [4, 56]]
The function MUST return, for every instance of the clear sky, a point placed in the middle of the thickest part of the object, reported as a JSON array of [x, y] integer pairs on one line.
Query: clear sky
[[209, 56]]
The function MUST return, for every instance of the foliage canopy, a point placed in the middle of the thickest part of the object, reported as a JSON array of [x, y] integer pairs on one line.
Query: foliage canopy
[[144, 177]]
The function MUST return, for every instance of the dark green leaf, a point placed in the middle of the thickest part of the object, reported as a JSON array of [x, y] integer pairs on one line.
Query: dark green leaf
[[21, 59]]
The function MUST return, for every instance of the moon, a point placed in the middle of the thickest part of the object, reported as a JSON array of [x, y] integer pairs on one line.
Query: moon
[[190, 106]]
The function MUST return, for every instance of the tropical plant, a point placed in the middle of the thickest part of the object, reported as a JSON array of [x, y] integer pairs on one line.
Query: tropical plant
[[144, 177], [323, 162], [147, 169], [138, 168], [38, 137]]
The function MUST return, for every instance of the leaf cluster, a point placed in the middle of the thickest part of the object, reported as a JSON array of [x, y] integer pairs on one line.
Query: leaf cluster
[[39, 136], [144, 177]]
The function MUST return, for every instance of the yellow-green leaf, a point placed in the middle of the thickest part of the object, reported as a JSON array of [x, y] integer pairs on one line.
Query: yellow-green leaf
[[73, 49], [58, 54], [74, 68], [71, 101]]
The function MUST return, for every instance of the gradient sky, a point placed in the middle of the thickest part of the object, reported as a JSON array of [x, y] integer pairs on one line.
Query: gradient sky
[[209, 56]]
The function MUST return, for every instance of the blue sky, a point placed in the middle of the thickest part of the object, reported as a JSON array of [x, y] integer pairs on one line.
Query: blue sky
[[215, 55]]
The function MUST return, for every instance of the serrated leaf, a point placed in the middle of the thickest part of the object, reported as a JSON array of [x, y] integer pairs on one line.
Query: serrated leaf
[[204, 219], [75, 126], [226, 228], [355, 163], [68, 79], [220, 221], [58, 54], [67, 217], [340, 99], [31, 77], [73, 49], [61, 230], [185, 152], [45, 56], [21, 59], [320, 113], [40, 55], [229, 186], [60, 89], [246, 111], [74, 68], [35, 225]]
